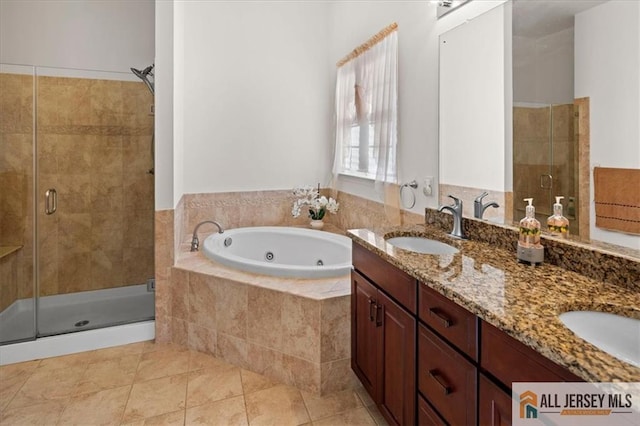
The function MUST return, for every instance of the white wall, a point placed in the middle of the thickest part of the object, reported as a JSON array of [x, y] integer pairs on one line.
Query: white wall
[[256, 99], [543, 68], [166, 196], [352, 23], [473, 75], [607, 65], [92, 35]]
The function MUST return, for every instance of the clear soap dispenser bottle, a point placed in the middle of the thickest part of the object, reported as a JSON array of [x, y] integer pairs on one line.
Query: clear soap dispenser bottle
[[558, 224], [529, 248]]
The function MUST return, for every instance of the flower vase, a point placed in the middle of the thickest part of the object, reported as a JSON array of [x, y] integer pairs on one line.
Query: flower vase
[[317, 224]]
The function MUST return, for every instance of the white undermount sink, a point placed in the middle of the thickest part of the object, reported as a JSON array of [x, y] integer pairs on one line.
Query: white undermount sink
[[422, 245], [617, 335]]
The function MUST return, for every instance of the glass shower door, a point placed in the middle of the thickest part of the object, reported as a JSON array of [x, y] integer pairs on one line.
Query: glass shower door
[[17, 222], [545, 159], [95, 197]]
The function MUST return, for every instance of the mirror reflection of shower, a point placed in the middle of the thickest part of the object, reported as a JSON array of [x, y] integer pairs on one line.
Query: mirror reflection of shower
[[144, 75], [147, 77]]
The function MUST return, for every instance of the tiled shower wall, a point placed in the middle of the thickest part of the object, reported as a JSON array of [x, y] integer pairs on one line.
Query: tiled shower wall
[[94, 147], [16, 185]]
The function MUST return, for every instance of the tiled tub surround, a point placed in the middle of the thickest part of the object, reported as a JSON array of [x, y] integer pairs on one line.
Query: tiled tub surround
[[521, 300], [296, 331], [326, 365]]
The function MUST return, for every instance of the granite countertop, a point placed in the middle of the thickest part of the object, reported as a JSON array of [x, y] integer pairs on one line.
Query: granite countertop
[[522, 300]]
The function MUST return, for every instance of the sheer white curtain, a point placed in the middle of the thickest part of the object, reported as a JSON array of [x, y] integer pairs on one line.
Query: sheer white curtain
[[367, 118]]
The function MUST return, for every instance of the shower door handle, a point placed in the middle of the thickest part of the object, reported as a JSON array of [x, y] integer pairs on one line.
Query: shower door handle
[[546, 181], [50, 201]]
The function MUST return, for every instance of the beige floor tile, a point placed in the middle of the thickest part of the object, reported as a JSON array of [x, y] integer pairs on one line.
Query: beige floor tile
[[100, 408], [279, 405], [12, 377], [199, 361], [46, 385], [18, 369], [46, 413], [175, 418], [117, 352], [253, 382], [366, 399], [162, 363], [321, 407], [66, 361], [226, 412], [156, 397], [357, 417], [107, 374], [213, 385]]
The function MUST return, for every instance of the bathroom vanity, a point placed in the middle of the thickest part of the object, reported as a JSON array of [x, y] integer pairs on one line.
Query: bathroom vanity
[[439, 339]]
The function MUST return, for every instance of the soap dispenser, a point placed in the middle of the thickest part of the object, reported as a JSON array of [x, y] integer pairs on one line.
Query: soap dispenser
[[558, 224], [529, 248]]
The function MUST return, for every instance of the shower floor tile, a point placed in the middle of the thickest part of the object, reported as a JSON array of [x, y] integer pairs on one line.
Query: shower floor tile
[[109, 386]]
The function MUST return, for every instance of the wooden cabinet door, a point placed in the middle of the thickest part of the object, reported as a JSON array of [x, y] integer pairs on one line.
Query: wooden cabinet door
[[397, 349], [494, 405], [364, 350]]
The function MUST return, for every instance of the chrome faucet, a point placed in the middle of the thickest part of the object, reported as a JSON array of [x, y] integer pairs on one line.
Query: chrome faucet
[[195, 243], [479, 208], [456, 211]]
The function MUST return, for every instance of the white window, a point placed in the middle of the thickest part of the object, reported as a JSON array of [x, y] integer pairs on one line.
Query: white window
[[366, 110]]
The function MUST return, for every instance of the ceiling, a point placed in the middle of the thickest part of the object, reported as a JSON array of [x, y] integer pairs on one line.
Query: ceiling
[[537, 18]]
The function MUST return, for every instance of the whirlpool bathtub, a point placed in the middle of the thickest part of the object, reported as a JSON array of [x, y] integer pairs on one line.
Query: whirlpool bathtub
[[281, 251]]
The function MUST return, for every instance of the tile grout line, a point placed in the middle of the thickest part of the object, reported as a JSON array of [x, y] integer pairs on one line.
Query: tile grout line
[[126, 404], [20, 388], [68, 402]]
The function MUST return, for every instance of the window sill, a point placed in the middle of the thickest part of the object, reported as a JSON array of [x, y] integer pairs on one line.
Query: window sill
[[358, 175]]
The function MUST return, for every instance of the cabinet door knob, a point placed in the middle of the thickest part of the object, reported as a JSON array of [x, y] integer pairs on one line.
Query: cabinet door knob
[[435, 375], [446, 321], [372, 303]]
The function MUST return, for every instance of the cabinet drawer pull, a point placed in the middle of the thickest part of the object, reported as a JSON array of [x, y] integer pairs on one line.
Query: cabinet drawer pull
[[435, 312], [438, 378], [371, 305], [378, 315]]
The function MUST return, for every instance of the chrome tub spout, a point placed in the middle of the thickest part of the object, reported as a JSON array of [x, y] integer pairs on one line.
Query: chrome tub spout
[[195, 243]]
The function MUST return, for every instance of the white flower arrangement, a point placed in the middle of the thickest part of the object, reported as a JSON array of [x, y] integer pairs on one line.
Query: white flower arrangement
[[318, 205]]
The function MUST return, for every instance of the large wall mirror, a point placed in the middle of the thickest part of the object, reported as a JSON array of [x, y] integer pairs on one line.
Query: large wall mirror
[[530, 112]]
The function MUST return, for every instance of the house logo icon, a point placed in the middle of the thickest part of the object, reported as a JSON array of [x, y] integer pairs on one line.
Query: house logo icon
[[528, 405]]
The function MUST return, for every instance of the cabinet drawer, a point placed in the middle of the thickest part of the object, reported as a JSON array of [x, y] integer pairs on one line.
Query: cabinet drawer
[[452, 321], [427, 416], [511, 361], [446, 379], [392, 280]]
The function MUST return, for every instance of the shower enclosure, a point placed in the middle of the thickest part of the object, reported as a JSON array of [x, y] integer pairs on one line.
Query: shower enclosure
[[76, 201], [545, 160]]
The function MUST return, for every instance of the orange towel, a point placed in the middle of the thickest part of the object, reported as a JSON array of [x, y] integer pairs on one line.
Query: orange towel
[[617, 198]]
